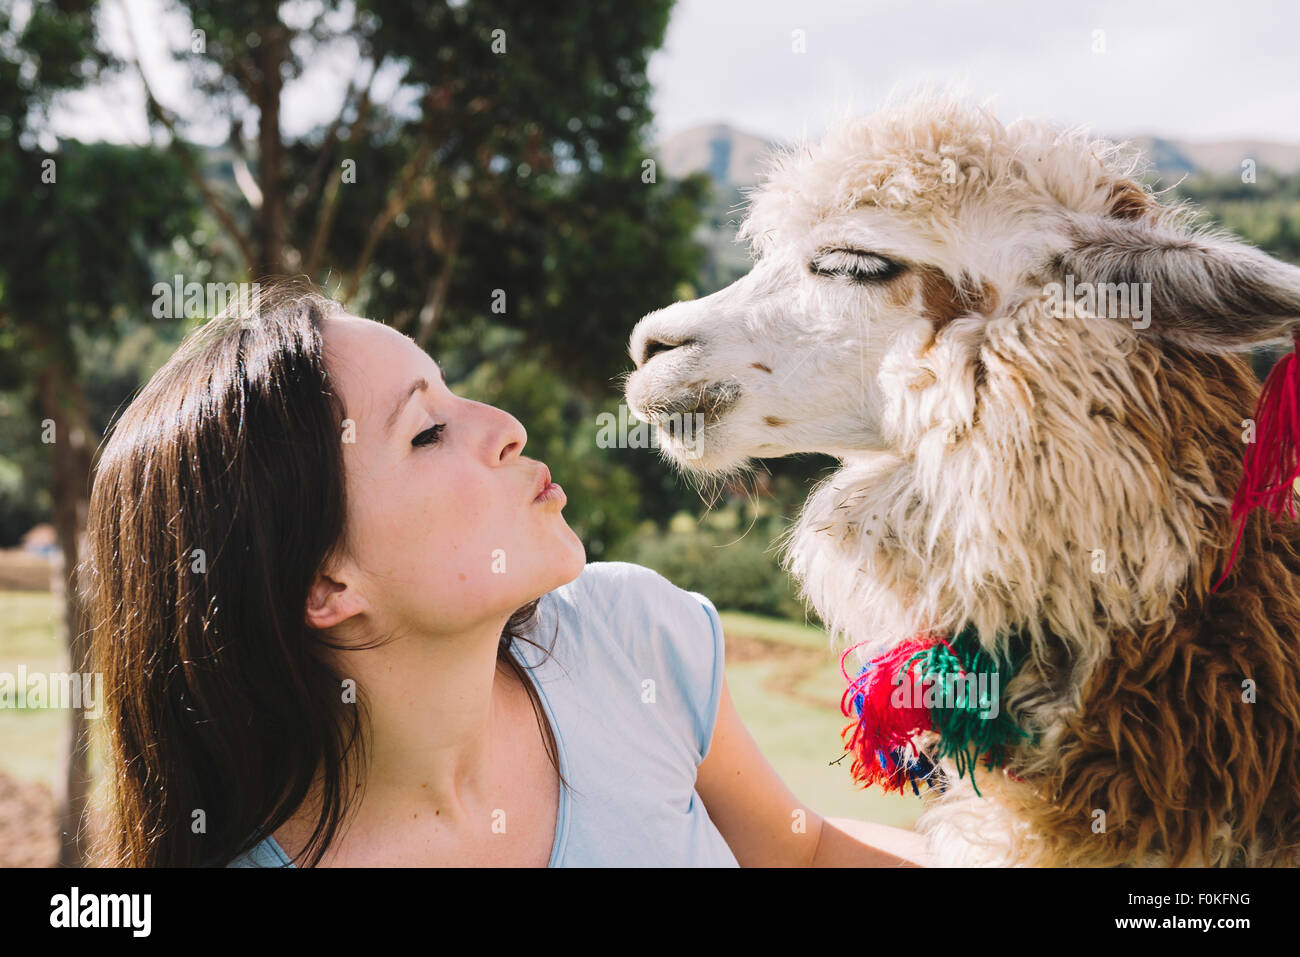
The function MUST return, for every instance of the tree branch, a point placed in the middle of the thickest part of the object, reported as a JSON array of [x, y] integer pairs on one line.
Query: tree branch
[[332, 134], [330, 202], [436, 299], [155, 110], [243, 175], [397, 199]]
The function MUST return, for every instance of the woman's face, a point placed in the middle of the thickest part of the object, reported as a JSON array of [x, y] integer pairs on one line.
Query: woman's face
[[443, 532]]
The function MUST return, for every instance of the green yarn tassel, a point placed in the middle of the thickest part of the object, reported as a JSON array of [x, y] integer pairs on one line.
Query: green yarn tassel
[[966, 729]]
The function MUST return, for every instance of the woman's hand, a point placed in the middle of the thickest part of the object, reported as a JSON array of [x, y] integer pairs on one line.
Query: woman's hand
[[765, 825]]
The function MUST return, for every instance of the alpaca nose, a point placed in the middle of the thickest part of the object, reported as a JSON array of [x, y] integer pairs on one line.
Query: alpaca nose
[[651, 347]]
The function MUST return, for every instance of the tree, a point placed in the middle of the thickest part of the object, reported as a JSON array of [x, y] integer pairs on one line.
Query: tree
[[485, 164], [80, 222], [507, 162]]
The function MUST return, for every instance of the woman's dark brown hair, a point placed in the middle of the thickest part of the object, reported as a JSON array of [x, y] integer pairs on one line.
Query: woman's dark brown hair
[[219, 495]]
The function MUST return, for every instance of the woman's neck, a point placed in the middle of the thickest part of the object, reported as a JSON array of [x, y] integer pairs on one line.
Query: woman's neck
[[439, 710]]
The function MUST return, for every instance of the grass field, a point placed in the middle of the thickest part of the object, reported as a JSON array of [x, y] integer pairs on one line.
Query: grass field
[[30, 738], [783, 677], [786, 684]]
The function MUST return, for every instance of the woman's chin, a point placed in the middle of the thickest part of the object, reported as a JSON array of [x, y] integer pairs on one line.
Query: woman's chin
[[574, 558]]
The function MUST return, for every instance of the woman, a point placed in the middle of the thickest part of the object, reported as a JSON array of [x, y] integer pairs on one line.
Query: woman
[[317, 577]]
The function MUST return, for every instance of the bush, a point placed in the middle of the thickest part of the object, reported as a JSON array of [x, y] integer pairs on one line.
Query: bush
[[736, 569]]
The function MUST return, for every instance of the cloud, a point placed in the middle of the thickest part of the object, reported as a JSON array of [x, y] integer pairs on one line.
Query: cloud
[[1194, 70]]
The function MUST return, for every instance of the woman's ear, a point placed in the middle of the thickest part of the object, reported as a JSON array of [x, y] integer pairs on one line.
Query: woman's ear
[[331, 602]]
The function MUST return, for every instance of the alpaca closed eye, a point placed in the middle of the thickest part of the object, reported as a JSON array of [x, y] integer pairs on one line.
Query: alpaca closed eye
[[858, 265]]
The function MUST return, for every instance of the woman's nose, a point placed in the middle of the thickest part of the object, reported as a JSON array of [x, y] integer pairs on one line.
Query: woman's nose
[[513, 437]]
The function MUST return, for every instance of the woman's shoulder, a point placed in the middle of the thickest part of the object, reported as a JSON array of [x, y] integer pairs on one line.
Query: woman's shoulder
[[635, 603], [630, 623], [625, 588]]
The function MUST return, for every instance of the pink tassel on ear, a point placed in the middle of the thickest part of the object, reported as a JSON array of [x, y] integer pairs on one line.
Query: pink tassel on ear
[[1272, 464]]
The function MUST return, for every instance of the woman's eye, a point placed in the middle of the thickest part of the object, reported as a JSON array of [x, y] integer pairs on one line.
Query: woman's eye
[[429, 436], [855, 264]]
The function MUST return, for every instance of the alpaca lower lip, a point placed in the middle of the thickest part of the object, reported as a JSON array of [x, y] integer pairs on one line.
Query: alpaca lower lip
[[679, 425], [710, 402]]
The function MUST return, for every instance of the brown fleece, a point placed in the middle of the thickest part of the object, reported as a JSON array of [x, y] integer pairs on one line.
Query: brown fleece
[[1128, 200], [1186, 771], [942, 300]]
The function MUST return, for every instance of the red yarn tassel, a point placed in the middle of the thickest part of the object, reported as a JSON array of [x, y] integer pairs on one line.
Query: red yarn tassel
[[1272, 464], [881, 726]]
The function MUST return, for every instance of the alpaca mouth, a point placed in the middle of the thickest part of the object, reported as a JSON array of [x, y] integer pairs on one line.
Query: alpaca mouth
[[693, 405]]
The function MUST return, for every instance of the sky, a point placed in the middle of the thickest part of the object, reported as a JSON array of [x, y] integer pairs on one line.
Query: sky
[[1192, 70]]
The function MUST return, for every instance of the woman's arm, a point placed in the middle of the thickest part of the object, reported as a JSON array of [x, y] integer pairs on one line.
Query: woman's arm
[[844, 838], [765, 825]]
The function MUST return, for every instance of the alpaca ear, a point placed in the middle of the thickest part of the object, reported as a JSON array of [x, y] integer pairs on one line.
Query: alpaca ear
[[1208, 291]]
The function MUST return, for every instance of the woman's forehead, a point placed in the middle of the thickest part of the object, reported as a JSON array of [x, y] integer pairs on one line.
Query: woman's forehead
[[372, 361], [369, 342]]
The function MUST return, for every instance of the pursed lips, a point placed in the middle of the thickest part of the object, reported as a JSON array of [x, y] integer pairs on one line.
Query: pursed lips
[[543, 481]]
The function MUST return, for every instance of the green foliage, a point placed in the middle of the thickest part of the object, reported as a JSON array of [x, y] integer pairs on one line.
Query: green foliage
[[77, 253], [1265, 213], [79, 219], [603, 503], [621, 249], [733, 564], [533, 184], [21, 505], [82, 223], [24, 471], [530, 159], [48, 52]]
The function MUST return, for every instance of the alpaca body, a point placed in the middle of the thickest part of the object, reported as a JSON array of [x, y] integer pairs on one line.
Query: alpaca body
[[1061, 473], [1148, 747]]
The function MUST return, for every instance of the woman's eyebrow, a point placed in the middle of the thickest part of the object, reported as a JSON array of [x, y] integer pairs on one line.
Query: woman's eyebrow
[[419, 385]]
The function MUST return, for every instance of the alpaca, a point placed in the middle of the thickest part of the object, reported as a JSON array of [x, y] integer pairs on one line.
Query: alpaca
[[1058, 471]]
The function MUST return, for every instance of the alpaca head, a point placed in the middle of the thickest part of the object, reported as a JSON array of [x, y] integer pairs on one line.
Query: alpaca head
[[1007, 342], [882, 255]]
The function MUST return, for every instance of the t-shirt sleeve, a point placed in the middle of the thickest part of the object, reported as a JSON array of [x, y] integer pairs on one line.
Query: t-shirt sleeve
[[266, 853], [717, 653], [682, 649]]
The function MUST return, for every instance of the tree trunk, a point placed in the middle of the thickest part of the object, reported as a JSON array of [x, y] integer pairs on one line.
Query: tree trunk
[[272, 226], [60, 399]]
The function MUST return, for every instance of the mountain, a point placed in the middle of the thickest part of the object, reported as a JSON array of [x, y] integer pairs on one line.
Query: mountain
[[731, 157], [734, 157], [1219, 157]]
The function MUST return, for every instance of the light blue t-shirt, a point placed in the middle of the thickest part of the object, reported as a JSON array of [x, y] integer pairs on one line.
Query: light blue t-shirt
[[631, 690]]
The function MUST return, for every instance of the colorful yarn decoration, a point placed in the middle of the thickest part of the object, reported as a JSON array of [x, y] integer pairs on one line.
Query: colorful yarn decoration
[[1271, 464], [882, 734]]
